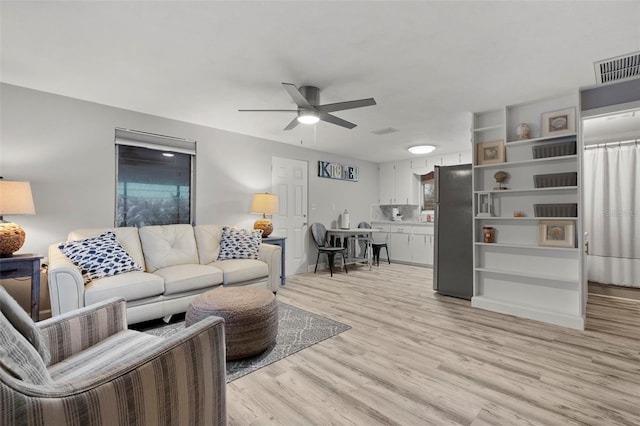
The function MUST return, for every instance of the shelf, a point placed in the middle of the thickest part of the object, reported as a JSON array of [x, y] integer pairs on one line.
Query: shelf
[[526, 275], [527, 311], [524, 162], [484, 129], [525, 218], [544, 139], [516, 191], [528, 246]]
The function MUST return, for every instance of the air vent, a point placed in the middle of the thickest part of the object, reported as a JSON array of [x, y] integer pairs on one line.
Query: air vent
[[619, 68], [386, 131]]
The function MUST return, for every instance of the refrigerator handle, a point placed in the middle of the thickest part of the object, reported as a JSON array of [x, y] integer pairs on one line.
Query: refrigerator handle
[[436, 182], [435, 247]]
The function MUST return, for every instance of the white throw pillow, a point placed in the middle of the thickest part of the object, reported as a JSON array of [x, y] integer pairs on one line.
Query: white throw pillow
[[99, 257], [239, 243]]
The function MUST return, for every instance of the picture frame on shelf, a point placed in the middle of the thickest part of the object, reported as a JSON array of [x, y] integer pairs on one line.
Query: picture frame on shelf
[[491, 152], [559, 122], [557, 233]]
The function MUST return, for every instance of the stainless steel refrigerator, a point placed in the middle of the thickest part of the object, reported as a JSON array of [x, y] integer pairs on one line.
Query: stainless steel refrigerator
[[453, 249]]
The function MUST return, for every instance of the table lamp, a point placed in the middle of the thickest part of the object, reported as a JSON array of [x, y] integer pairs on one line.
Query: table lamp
[[264, 204], [15, 198]]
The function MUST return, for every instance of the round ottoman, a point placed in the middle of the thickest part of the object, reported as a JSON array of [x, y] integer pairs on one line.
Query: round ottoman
[[250, 317]]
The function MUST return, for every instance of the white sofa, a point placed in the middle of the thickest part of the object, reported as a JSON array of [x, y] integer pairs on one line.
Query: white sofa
[[178, 263]]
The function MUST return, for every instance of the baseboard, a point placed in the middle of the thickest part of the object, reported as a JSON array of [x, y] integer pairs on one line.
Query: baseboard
[[528, 312], [610, 290]]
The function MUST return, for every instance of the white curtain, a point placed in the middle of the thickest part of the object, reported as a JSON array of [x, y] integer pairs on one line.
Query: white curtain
[[612, 214]]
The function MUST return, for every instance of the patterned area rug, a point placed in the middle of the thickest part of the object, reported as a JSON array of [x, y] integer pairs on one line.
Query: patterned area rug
[[297, 329]]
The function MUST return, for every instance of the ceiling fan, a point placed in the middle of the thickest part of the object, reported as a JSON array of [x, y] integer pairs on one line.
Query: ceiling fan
[[309, 109]]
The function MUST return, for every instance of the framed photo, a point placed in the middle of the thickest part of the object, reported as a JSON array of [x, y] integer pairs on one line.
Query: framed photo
[[490, 152], [559, 122], [557, 233]]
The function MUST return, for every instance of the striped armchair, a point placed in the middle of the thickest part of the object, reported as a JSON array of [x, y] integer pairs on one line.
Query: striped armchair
[[101, 373]]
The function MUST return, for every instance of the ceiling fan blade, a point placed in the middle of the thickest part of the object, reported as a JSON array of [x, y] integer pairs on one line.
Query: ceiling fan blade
[[297, 97], [339, 106], [337, 121], [268, 110], [293, 124]]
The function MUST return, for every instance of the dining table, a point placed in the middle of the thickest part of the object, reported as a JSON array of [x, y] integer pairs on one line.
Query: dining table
[[351, 236]]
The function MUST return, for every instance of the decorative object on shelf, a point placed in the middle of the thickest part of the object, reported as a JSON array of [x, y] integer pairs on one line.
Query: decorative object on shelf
[[557, 233], [15, 198], [556, 210], [490, 152], [500, 178], [488, 234], [484, 204], [264, 203], [523, 131], [518, 214], [559, 122]]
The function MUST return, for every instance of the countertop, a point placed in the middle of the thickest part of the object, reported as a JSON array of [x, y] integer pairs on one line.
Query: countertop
[[402, 222]]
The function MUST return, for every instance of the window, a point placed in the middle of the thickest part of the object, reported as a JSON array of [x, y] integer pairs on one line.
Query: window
[[428, 191], [155, 177]]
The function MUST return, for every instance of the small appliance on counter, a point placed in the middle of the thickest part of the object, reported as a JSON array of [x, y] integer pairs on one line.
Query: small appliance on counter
[[344, 220]]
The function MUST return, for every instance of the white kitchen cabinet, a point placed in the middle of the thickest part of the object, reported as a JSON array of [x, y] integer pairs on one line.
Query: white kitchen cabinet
[[422, 244], [387, 176], [398, 183], [411, 244], [399, 243]]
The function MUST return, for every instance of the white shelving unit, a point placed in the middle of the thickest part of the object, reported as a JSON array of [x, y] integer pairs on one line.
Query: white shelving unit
[[517, 275]]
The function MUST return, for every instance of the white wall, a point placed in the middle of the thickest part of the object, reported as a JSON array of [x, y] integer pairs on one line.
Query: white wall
[[65, 148]]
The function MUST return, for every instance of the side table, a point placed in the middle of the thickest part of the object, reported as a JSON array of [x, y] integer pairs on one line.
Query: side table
[[279, 241], [24, 265]]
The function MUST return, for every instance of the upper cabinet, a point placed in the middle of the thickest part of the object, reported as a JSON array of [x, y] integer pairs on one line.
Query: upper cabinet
[[398, 183], [400, 180], [526, 181]]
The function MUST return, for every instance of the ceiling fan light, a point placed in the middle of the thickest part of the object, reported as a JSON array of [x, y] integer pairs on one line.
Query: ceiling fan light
[[422, 149], [308, 117]]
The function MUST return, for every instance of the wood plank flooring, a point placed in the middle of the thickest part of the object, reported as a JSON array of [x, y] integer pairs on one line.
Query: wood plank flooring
[[416, 358]]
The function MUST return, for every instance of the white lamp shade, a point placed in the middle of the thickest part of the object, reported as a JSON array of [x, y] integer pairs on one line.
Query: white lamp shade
[[264, 203], [16, 198]]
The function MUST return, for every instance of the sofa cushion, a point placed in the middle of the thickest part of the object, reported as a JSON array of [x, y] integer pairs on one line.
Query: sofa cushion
[[99, 257], [239, 243], [168, 245], [239, 270], [18, 357], [183, 278], [208, 241], [131, 286], [127, 236]]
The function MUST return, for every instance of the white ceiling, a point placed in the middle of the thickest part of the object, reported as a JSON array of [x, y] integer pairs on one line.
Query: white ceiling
[[428, 64]]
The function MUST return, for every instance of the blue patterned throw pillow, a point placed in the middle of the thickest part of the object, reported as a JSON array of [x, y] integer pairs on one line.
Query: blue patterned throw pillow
[[239, 243], [99, 257]]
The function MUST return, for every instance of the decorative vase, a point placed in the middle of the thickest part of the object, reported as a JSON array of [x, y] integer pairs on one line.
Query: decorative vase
[[523, 131]]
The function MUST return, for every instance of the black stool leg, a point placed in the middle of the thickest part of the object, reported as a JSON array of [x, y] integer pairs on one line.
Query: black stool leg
[[376, 255], [386, 248], [331, 255], [317, 259]]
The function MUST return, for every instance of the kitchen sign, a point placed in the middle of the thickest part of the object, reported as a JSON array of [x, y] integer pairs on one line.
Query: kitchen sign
[[337, 171]]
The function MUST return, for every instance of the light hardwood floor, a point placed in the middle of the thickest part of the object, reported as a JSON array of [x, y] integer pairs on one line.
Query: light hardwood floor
[[416, 358]]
